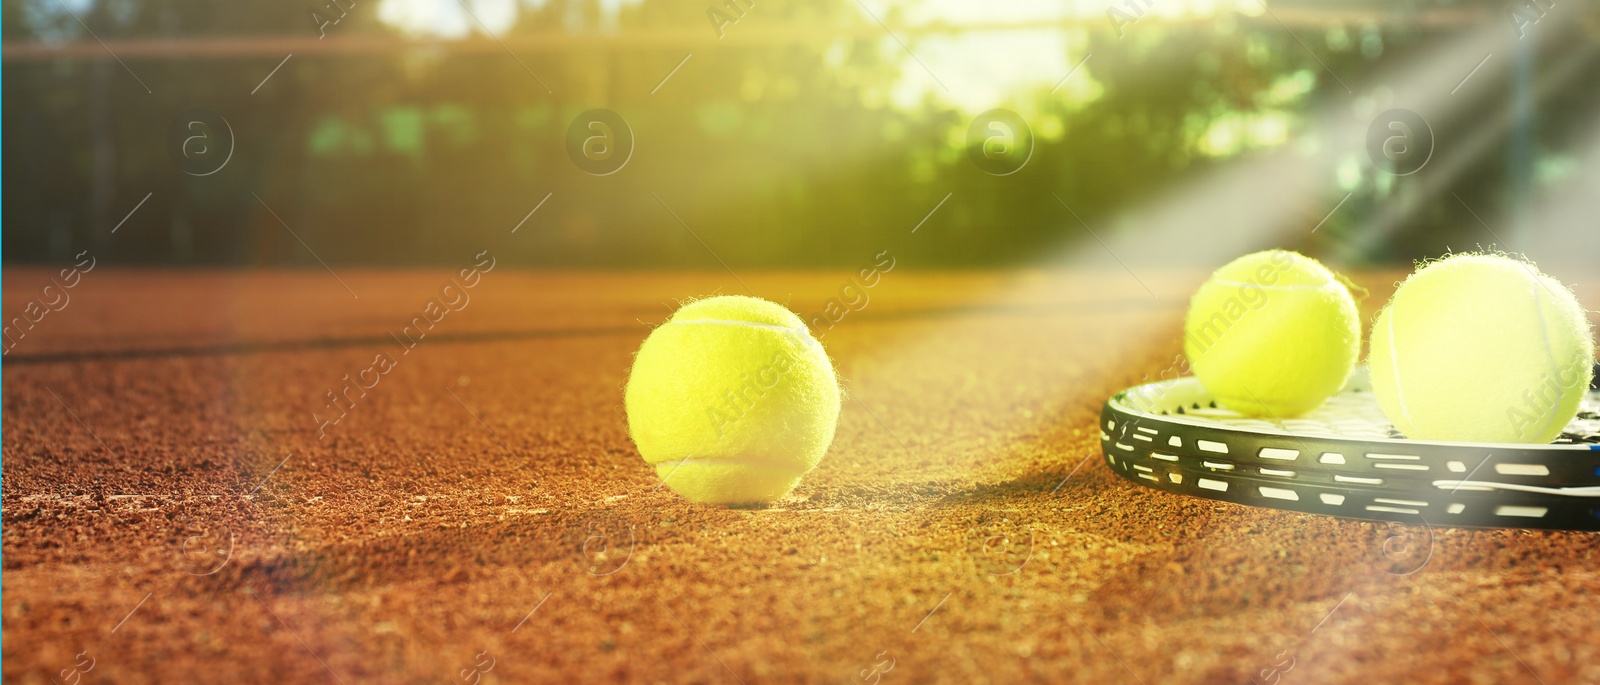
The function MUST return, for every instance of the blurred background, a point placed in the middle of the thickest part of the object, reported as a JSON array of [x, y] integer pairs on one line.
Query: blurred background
[[797, 133], [278, 200]]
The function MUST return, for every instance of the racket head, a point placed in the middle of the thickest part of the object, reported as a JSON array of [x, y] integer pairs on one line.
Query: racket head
[[1346, 459]]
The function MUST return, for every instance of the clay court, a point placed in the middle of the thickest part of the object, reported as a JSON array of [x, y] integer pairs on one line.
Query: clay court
[[480, 515]]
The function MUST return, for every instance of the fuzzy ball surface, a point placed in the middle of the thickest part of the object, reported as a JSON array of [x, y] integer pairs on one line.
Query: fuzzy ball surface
[[1481, 348], [732, 400], [1272, 334]]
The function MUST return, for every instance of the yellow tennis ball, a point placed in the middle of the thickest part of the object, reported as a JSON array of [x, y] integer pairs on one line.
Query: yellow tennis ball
[[1481, 348], [732, 400], [1272, 334]]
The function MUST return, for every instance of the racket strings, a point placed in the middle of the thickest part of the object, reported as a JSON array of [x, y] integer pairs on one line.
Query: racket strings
[[1355, 414]]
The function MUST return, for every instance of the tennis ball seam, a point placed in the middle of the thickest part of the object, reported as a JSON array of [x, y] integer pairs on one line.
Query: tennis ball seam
[[1394, 368], [801, 332], [1330, 285], [1551, 364], [767, 462], [735, 322]]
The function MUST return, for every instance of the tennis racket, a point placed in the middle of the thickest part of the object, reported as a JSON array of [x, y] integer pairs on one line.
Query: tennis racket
[[1346, 459]]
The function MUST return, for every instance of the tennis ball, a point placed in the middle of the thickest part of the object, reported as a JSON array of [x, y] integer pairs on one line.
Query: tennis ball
[[1272, 334], [732, 400], [1481, 348]]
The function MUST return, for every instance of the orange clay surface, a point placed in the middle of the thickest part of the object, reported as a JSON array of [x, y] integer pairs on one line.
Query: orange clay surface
[[172, 516]]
